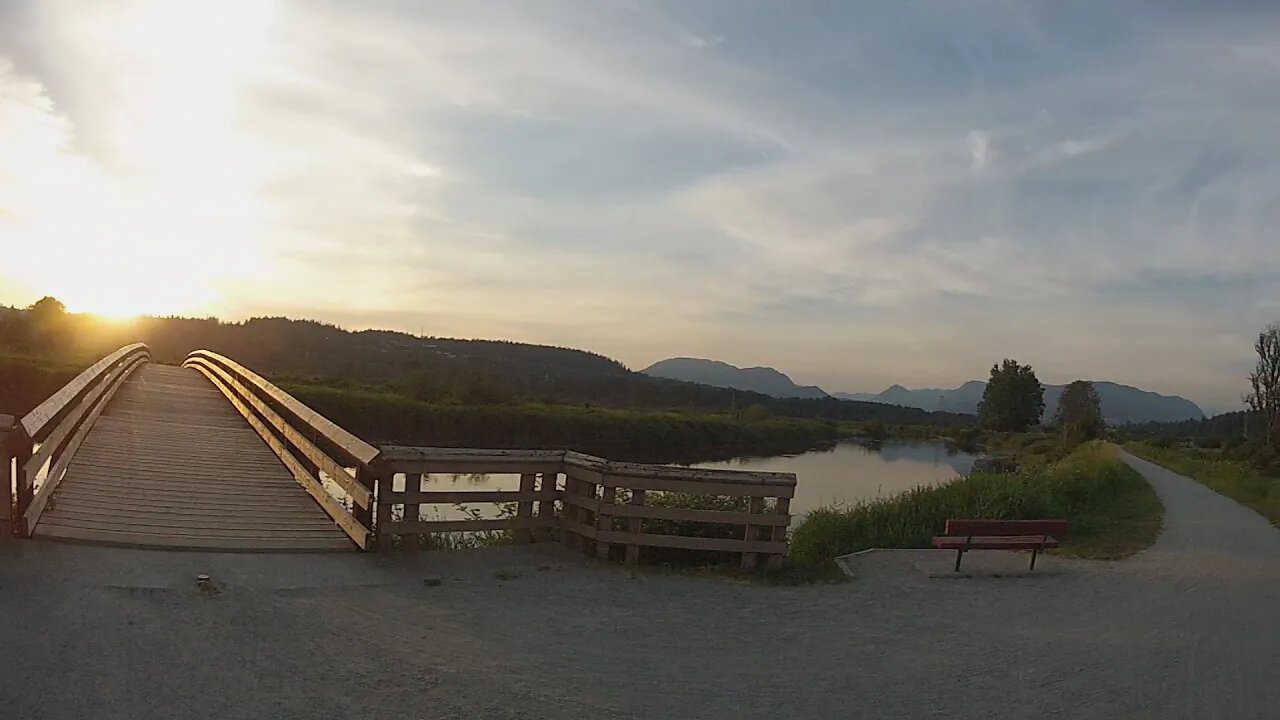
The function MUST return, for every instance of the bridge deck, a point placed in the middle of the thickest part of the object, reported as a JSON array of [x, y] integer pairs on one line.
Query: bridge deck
[[170, 464]]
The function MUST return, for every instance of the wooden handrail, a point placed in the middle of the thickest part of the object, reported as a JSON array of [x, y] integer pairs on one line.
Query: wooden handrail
[[221, 378], [53, 431], [356, 450], [40, 421], [310, 446], [73, 434]]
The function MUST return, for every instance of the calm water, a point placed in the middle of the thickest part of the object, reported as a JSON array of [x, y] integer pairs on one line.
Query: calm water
[[847, 473], [850, 472]]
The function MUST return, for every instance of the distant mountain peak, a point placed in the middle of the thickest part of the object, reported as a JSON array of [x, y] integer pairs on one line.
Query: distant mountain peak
[[761, 379], [1120, 403]]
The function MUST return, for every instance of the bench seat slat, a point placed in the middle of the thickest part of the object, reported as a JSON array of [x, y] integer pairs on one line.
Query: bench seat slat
[[998, 542]]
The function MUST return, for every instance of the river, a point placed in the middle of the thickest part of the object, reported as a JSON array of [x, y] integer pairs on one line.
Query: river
[[845, 473], [849, 472]]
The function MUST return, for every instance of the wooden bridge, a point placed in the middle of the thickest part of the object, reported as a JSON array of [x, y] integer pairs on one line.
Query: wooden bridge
[[210, 456]]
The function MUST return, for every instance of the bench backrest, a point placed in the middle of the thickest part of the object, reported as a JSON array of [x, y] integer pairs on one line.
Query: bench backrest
[[964, 528]]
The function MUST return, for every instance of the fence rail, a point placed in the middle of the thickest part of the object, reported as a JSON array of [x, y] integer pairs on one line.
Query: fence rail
[[38, 448], [604, 503], [539, 472]]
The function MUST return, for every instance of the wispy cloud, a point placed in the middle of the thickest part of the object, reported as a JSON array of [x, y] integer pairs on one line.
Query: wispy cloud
[[860, 194]]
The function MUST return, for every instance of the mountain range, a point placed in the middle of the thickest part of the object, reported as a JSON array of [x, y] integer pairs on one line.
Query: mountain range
[[1120, 403], [764, 380]]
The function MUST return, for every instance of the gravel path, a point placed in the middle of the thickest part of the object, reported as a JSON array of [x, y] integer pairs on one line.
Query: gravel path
[[1189, 629]]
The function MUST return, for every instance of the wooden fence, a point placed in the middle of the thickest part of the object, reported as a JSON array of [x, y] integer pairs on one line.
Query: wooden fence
[[607, 508], [539, 471], [606, 504]]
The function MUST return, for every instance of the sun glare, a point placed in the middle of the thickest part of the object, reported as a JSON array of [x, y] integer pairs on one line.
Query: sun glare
[[169, 211]]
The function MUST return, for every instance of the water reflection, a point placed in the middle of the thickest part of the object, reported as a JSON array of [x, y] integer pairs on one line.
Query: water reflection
[[849, 472], [845, 473]]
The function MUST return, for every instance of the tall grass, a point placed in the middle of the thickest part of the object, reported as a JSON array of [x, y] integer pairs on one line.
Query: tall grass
[[1237, 479], [1112, 511]]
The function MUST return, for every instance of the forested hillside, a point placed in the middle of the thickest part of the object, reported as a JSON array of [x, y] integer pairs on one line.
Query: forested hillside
[[430, 369]]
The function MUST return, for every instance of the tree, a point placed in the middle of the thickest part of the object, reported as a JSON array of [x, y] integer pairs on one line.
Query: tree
[[50, 330], [1264, 400], [47, 309], [1079, 415], [1013, 400]]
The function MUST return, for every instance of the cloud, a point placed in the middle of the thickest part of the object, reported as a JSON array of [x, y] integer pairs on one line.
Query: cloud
[[858, 195], [979, 149]]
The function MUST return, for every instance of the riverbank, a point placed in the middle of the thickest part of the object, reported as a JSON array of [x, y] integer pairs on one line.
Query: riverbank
[[1112, 511], [1235, 479]]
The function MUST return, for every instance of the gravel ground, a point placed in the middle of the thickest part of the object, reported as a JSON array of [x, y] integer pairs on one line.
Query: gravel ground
[[1188, 629]]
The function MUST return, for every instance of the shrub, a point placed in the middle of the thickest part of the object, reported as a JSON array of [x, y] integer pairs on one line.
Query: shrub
[[1082, 488]]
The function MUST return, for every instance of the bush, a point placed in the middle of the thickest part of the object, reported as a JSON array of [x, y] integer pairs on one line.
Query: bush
[[875, 431], [968, 439], [755, 413], [1090, 488]]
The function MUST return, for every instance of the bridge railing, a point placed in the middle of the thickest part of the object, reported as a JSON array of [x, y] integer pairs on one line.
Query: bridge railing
[[38, 448], [608, 508], [331, 464], [400, 511]]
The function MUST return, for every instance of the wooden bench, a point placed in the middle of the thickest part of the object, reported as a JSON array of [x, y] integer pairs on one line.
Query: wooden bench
[[1033, 535]]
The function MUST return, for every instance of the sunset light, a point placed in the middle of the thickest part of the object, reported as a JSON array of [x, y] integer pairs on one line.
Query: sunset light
[[639, 359], [171, 212], [653, 180]]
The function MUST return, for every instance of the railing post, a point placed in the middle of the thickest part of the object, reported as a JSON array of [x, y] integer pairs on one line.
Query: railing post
[[633, 526], [412, 510], [568, 538], [755, 506], [547, 506], [24, 484], [587, 489], [524, 509], [604, 523], [779, 532], [8, 431], [369, 479]]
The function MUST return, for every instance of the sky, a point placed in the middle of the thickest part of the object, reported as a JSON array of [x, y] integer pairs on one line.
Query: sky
[[856, 193]]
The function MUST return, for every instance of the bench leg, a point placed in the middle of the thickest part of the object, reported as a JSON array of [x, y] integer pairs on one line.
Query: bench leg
[[959, 554], [1034, 553]]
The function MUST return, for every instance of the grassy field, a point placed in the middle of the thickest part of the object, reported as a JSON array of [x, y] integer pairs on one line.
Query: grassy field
[[26, 381], [1112, 511], [618, 434], [1236, 479]]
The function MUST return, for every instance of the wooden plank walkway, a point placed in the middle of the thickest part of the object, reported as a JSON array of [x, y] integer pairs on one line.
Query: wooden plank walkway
[[170, 464]]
